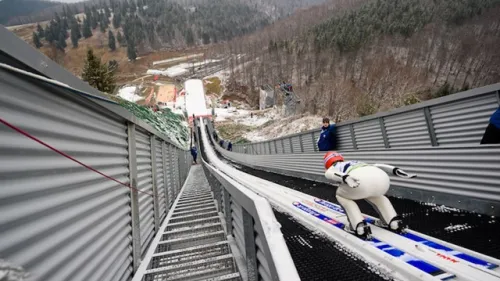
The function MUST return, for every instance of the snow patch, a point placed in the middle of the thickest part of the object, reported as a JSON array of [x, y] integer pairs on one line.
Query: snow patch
[[10, 272], [457, 227], [128, 93]]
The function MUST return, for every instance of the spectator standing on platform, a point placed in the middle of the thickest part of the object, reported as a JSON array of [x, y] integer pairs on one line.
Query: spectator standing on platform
[[492, 132], [230, 146], [194, 153], [327, 140]]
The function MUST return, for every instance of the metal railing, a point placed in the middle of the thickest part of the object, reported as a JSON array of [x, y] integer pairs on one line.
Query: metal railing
[[452, 121], [60, 220], [250, 220]]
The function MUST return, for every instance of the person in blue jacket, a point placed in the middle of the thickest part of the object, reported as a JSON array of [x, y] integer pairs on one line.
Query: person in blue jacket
[[327, 140], [194, 153], [492, 132], [230, 146]]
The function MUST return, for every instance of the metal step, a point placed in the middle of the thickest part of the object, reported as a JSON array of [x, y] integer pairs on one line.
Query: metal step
[[190, 254], [194, 194], [191, 241], [194, 199], [194, 230], [226, 277], [193, 217], [173, 226], [196, 270], [183, 205], [194, 210], [194, 205]]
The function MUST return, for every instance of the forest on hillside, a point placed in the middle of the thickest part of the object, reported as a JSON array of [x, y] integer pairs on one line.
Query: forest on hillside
[[373, 54], [147, 25]]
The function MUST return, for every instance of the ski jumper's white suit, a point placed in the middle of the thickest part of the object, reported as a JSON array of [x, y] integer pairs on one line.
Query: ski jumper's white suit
[[359, 180]]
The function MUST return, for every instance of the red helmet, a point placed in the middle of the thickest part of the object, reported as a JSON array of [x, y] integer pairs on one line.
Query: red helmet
[[331, 157]]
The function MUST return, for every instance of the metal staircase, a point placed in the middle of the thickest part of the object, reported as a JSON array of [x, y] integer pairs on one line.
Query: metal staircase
[[193, 245]]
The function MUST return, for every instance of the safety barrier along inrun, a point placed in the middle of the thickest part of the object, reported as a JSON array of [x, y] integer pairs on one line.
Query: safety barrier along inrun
[[85, 189]]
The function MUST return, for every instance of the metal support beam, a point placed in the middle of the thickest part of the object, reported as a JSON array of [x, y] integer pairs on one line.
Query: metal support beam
[[498, 97], [384, 132], [156, 204], [250, 248], [291, 146], [165, 178], [227, 212], [430, 126], [283, 146], [353, 137], [270, 150], [301, 144], [134, 197], [314, 142], [275, 147]]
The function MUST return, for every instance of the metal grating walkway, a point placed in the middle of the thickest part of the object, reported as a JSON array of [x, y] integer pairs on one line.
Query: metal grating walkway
[[193, 245]]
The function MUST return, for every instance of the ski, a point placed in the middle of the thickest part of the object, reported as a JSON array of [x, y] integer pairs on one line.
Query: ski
[[383, 246], [418, 239]]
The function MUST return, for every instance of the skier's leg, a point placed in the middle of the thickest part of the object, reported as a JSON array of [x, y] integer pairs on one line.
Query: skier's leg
[[386, 211], [354, 216]]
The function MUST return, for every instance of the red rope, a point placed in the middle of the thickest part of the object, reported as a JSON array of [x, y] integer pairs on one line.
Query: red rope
[[67, 156]]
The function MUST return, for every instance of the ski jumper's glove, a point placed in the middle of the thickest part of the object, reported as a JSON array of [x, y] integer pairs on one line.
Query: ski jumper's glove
[[351, 181], [395, 171], [402, 174], [339, 177]]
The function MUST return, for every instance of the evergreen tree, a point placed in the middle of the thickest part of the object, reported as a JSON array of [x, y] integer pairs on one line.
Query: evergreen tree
[[189, 36], [107, 12], [61, 42], [133, 7], [111, 41], [87, 31], [131, 52], [97, 74], [36, 40], [206, 38], [75, 34], [102, 26], [40, 31], [117, 18], [120, 39], [95, 18], [48, 34]]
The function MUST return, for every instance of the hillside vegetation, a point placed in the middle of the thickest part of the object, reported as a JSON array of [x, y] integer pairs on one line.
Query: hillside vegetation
[[353, 58]]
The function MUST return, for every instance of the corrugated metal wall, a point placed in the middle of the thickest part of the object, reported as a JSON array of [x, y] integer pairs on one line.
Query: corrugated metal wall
[[160, 184], [145, 184], [59, 220], [237, 224], [455, 120], [409, 130]]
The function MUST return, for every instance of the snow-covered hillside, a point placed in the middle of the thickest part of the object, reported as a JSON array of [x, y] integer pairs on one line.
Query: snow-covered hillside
[[266, 124]]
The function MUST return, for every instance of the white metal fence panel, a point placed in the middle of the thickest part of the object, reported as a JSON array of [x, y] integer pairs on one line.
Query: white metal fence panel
[[344, 138], [407, 130], [308, 142], [296, 144], [368, 135], [237, 225], [463, 122], [145, 184], [160, 184], [59, 220]]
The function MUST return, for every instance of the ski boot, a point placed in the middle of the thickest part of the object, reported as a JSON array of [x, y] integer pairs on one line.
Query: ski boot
[[395, 225], [362, 231]]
